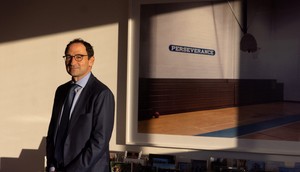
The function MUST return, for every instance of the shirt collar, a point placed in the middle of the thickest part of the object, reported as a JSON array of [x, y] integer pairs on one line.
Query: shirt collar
[[82, 82]]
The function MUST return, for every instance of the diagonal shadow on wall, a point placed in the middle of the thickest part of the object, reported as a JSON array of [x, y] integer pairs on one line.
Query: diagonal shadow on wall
[[30, 160], [30, 19]]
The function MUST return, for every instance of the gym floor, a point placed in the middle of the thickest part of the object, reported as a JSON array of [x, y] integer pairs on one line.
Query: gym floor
[[271, 121]]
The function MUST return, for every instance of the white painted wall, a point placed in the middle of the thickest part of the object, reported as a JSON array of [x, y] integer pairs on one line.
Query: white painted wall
[[202, 25], [32, 44]]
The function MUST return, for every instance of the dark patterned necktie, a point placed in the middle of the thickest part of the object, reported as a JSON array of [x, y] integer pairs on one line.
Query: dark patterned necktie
[[63, 126]]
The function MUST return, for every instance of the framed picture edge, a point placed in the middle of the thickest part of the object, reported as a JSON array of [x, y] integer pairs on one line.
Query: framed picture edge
[[180, 141]]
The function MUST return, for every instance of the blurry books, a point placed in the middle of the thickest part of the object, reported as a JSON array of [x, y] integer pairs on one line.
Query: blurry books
[[121, 167], [199, 165], [227, 165], [184, 166], [163, 162], [255, 166]]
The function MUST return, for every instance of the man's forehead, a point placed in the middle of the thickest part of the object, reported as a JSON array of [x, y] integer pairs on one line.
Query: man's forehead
[[77, 47]]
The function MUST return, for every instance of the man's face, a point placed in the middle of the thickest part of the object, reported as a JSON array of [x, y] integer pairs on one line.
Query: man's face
[[78, 69]]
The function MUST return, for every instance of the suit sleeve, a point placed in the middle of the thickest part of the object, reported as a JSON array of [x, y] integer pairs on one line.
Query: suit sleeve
[[97, 146], [50, 135]]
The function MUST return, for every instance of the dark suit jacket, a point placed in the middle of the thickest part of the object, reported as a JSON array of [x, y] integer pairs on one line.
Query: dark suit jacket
[[87, 144]]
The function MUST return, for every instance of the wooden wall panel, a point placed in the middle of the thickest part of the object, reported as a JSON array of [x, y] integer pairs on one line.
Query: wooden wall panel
[[169, 96]]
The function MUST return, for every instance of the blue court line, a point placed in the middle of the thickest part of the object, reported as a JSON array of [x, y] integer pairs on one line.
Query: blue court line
[[252, 128]]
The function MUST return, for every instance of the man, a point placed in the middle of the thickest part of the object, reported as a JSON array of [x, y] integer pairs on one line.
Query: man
[[81, 124]]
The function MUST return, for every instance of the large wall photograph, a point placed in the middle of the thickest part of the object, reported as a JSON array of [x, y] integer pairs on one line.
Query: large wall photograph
[[220, 69]]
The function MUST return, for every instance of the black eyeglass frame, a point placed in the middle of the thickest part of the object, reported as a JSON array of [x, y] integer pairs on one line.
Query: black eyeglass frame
[[77, 57]]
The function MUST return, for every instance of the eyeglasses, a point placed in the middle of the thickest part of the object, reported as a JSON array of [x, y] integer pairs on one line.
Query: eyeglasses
[[77, 57]]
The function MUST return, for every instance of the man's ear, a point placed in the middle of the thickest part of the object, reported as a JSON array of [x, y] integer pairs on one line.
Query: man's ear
[[91, 61]]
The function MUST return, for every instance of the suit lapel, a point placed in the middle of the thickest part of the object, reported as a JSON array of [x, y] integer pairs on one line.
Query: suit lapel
[[60, 101], [79, 107]]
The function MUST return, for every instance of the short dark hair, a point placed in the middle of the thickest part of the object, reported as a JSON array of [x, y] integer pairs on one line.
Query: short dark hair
[[88, 46]]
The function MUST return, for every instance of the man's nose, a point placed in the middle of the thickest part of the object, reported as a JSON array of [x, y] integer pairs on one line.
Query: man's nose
[[72, 60]]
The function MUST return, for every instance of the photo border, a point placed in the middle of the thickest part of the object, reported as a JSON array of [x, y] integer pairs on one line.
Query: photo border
[[181, 141]]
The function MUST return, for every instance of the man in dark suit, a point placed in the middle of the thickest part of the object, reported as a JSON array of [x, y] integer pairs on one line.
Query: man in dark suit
[[80, 141]]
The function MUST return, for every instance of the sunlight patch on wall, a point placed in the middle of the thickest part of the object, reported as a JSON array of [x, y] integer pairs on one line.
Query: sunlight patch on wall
[[32, 69]]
